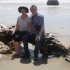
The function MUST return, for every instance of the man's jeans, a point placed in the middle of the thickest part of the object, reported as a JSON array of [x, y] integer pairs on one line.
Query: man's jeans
[[37, 43]]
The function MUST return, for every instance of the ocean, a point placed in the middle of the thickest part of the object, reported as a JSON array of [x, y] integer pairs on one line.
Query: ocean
[[57, 18]]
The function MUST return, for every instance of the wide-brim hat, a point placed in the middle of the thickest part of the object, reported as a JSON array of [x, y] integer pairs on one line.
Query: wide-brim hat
[[22, 7]]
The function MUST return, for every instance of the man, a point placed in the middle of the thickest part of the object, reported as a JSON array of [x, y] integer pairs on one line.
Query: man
[[37, 32]]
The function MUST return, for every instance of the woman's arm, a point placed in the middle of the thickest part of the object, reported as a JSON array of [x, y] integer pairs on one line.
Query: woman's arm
[[16, 27], [29, 26]]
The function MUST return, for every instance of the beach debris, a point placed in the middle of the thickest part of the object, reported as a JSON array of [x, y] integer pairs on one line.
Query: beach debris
[[67, 58], [5, 50], [68, 49], [3, 27], [51, 56], [11, 46]]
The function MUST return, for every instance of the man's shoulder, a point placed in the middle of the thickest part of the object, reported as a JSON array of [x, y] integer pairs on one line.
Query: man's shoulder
[[30, 16], [40, 15]]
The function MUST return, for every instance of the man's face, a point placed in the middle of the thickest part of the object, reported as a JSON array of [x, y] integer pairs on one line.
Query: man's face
[[33, 10]]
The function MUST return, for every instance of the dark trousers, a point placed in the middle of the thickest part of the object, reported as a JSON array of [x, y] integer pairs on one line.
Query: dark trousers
[[37, 43], [17, 36]]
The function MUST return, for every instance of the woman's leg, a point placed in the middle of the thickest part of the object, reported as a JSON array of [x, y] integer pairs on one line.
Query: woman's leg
[[17, 39], [14, 39], [16, 49], [17, 46]]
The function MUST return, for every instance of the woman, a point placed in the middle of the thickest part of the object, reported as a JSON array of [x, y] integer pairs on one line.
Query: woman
[[21, 28]]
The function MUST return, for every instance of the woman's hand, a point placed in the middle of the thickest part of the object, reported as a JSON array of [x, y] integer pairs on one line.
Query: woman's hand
[[29, 30], [37, 38], [29, 26]]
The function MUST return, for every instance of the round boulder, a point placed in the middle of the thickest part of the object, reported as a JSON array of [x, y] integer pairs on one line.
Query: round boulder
[[52, 2]]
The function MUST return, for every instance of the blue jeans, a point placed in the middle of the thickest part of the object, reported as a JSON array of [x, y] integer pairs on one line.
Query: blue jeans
[[37, 43]]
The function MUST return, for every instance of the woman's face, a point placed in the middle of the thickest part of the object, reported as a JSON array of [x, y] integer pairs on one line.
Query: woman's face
[[23, 11], [33, 10]]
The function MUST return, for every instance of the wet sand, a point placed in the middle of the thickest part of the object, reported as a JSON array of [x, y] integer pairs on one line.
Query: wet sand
[[9, 62]]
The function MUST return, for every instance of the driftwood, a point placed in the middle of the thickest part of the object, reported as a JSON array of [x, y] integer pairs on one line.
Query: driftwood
[[5, 36], [4, 49], [49, 43]]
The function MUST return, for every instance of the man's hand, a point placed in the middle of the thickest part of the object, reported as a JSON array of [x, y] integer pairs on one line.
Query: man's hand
[[37, 38], [12, 33]]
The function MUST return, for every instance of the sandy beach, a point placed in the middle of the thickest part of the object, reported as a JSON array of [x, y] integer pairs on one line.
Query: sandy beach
[[10, 62], [7, 63]]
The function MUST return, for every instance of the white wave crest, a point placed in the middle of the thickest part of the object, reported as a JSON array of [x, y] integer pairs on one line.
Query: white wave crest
[[29, 1]]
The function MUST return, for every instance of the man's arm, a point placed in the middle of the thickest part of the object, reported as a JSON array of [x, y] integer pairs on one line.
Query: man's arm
[[41, 30]]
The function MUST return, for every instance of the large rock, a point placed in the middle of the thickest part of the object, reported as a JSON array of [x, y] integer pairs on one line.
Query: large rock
[[52, 2]]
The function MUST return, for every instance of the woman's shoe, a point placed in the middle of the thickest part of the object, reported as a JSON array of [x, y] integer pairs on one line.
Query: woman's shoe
[[17, 53]]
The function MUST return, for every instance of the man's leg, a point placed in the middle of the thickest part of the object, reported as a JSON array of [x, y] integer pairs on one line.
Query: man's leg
[[37, 48], [25, 41]]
